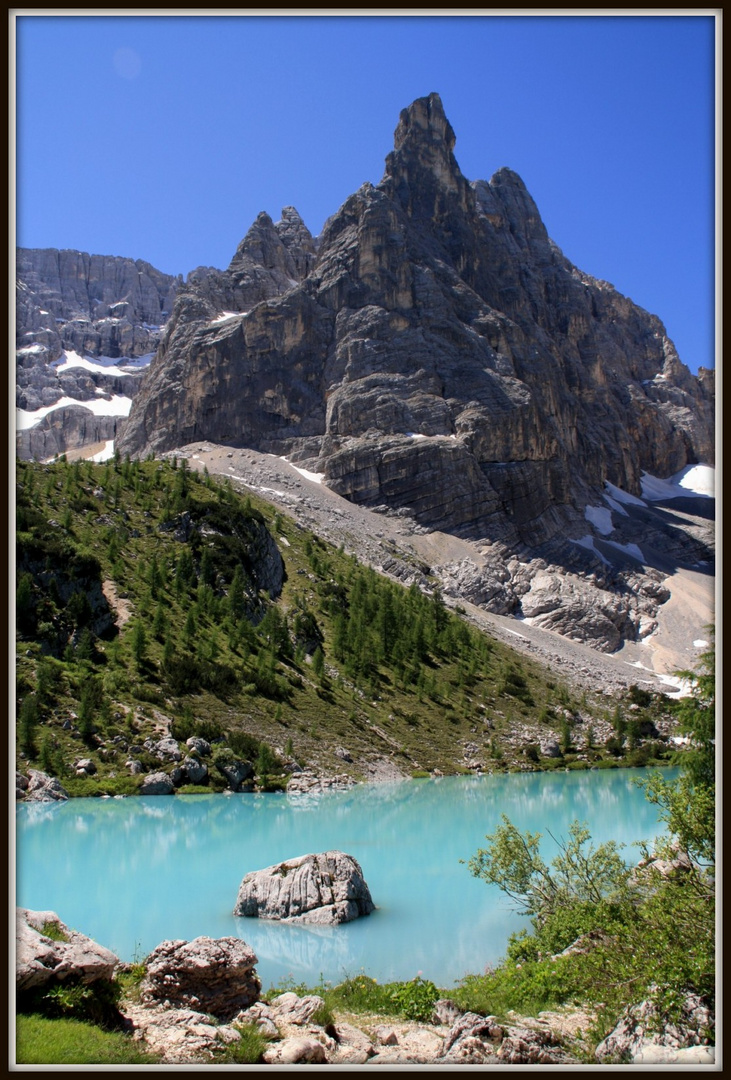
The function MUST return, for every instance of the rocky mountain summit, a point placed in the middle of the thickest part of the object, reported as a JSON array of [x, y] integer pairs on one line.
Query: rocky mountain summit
[[433, 354], [72, 304], [437, 352]]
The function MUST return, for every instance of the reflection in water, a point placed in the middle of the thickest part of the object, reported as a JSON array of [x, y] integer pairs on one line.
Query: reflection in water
[[300, 947], [134, 872]]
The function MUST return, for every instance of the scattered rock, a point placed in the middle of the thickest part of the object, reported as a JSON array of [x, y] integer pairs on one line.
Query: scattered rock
[[295, 1051], [199, 745], [195, 771], [179, 1036], [167, 749], [643, 1035], [43, 788], [446, 1012], [237, 773]]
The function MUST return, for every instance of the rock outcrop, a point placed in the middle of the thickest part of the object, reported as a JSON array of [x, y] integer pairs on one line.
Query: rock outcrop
[[644, 1036], [209, 975], [328, 888], [48, 952], [96, 305], [38, 786]]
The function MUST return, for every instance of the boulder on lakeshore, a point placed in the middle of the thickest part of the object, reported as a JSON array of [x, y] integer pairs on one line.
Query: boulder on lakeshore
[[211, 975], [157, 783], [42, 960], [327, 888], [195, 771], [44, 788]]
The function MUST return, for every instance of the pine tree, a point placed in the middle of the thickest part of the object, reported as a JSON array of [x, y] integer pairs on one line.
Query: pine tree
[[27, 725]]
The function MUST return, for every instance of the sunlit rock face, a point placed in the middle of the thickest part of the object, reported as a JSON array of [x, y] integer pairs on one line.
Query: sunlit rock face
[[433, 350]]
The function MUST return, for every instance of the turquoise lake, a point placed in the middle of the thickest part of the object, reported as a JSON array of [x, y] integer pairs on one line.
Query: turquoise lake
[[131, 873]]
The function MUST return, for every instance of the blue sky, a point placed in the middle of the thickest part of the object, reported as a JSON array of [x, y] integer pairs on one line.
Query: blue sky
[[161, 138]]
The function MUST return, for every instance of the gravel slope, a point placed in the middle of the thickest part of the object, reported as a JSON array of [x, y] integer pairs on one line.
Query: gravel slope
[[379, 539]]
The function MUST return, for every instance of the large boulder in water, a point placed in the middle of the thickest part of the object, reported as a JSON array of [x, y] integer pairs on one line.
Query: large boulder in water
[[327, 888]]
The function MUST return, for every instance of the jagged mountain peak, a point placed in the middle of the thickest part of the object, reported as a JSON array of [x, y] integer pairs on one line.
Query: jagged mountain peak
[[439, 357], [285, 246], [421, 171], [424, 122]]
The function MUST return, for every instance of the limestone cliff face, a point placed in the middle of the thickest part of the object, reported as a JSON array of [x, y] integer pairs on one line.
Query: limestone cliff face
[[97, 305], [435, 351]]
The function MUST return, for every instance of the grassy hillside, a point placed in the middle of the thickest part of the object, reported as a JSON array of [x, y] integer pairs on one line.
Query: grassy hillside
[[152, 599]]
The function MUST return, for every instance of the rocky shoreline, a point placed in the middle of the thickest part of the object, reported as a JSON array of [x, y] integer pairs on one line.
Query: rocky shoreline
[[194, 998]]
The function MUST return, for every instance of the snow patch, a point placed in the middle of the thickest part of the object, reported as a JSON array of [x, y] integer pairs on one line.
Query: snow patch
[[106, 454], [615, 506], [315, 477], [101, 364], [696, 479], [226, 315], [118, 406], [682, 686], [628, 549], [600, 518], [621, 496], [588, 543], [414, 435]]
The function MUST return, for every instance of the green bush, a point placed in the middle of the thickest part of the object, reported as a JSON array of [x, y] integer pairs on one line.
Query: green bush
[[72, 999], [83, 787], [527, 986], [415, 999]]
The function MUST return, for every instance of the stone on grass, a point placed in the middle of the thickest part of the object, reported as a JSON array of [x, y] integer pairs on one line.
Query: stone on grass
[[211, 975]]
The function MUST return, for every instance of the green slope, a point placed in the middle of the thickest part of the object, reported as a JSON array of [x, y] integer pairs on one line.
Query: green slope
[[151, 598]]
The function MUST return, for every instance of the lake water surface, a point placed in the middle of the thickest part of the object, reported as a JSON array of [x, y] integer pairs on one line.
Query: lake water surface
[[133, 872]]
